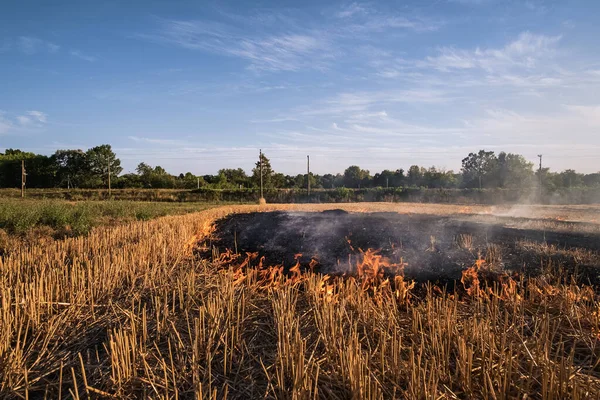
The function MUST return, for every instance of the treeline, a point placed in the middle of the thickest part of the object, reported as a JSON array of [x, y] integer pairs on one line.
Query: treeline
[[94, 168]]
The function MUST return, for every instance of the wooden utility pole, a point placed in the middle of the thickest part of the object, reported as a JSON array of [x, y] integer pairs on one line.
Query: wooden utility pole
[[541, 180], [109, 190], [261, 172], [308, 175], [23, 178]]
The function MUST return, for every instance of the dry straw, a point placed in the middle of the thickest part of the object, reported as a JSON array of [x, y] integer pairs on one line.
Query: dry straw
[[131, 312]]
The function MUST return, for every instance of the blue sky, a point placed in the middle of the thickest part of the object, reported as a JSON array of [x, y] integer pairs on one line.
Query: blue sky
[[197, 86]]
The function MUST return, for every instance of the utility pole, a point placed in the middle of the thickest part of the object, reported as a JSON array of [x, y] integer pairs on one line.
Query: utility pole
[[198, 182], [541, 181], [261, 172], [109, 190], [308, 175], [23, 178], [387, 182]]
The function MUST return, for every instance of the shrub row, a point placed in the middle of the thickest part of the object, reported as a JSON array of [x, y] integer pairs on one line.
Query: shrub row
[[466, 196]]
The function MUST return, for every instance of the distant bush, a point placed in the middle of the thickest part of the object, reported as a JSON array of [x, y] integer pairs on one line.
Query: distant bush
[[582, 195]]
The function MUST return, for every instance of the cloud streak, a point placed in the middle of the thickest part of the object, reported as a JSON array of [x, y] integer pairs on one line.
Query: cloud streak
[[526, 51], [274, 42], [31, 45], [82, 56], [157, 141], [26, 122], [277, 52]]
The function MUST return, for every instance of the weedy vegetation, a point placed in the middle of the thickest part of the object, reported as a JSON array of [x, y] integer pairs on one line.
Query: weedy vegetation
[[133, 311], [18, 216]]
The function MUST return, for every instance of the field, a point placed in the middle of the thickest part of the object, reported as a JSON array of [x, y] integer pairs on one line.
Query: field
[[368, 300], [59, 218]]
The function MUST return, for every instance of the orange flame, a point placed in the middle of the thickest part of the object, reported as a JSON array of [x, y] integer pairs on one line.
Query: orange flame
[[295, 270], [470, 278]]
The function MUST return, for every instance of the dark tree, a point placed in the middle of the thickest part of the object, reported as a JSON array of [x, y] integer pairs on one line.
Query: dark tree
[[100, 160], [71, 167], [354, 177], [415, 175], [267, 173], [478, 166], [235, 177]]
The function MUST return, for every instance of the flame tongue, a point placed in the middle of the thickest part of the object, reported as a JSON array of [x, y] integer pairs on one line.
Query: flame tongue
[[373, 265], [470, 277], [295, 270], [373, 273]]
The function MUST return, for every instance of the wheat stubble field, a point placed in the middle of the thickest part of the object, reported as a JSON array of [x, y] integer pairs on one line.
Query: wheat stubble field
[[288, 301]]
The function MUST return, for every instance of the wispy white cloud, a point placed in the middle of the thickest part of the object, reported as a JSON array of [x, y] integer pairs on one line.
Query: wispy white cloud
[[382, 23], [273, 120], [82, 56], [38, 116], [5, 124], [31, 45], [527, 64], [365, 18], [158, 141], [471, 2], [359, 101], [351, 10], [30, 120], [275, 52], [526, 128], [274, 42], [525, 51], [523, 132], [24, 120]]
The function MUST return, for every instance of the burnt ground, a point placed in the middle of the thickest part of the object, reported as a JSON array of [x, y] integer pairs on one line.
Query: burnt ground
[[426, 242]]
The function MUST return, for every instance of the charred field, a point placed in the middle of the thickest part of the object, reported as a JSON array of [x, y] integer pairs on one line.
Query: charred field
[[353, 301], [432, 248]]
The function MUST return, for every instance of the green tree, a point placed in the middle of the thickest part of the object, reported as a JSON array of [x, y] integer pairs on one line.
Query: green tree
[[384, 178], [570, 178], [439, 178], [478, 167], [155, 177], [592, 179], [355, 177], [40, 169], [328, 181], [235, 177], [144, 169], [389, 178], [100, 160], [190, 181], [278, 180], [129, 181], [267, 173], [71, 167], [415, 175], [513, 170]]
